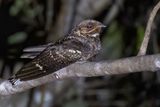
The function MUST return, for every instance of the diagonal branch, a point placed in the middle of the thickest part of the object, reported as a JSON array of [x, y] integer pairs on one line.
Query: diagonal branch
[[89, 69], [147, 34]]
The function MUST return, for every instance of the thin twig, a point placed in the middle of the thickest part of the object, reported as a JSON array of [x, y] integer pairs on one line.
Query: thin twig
[[88, 69], [144, 44]]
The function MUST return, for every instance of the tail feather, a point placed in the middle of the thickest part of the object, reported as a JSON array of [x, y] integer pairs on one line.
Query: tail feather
[[29, 55], [28, 72], [32, 52], [31, 76], [34, 49], [39, 48], [14, 81]]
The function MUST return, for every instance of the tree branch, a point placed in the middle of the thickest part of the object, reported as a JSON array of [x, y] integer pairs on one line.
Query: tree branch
[[147, 34], [88, 69]]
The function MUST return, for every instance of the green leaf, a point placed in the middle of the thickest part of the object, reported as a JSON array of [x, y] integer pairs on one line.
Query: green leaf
[[17, 38]]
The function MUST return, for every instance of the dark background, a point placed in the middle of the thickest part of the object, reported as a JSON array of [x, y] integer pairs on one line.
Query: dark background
[[25, 23]]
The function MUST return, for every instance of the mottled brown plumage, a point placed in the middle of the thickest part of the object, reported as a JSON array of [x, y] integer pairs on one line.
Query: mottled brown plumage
[[81, 44]]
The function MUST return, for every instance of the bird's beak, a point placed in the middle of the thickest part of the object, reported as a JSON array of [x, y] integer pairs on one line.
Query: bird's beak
[[102, 26]]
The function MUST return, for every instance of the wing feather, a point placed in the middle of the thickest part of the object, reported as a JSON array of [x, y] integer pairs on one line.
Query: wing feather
[[32, 52], [50, 60]]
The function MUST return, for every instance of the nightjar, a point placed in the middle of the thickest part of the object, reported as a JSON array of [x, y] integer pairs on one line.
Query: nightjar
[[80, 44]]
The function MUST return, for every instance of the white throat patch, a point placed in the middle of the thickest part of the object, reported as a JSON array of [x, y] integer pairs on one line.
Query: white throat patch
[[95, 35]]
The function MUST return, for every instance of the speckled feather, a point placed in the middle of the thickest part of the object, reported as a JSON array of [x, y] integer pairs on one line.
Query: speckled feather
[[52, 57]]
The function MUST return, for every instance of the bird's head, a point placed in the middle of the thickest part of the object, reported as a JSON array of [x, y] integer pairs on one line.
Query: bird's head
[[89, 28]]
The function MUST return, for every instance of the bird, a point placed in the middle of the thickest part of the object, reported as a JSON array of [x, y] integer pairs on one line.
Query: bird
[[81, 44]]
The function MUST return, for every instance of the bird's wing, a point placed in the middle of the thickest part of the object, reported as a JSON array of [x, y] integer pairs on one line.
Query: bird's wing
[[50, 60], [32, 52]]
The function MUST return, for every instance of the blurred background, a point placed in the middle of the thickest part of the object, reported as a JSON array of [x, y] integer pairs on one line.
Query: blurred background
[[25, 23]]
